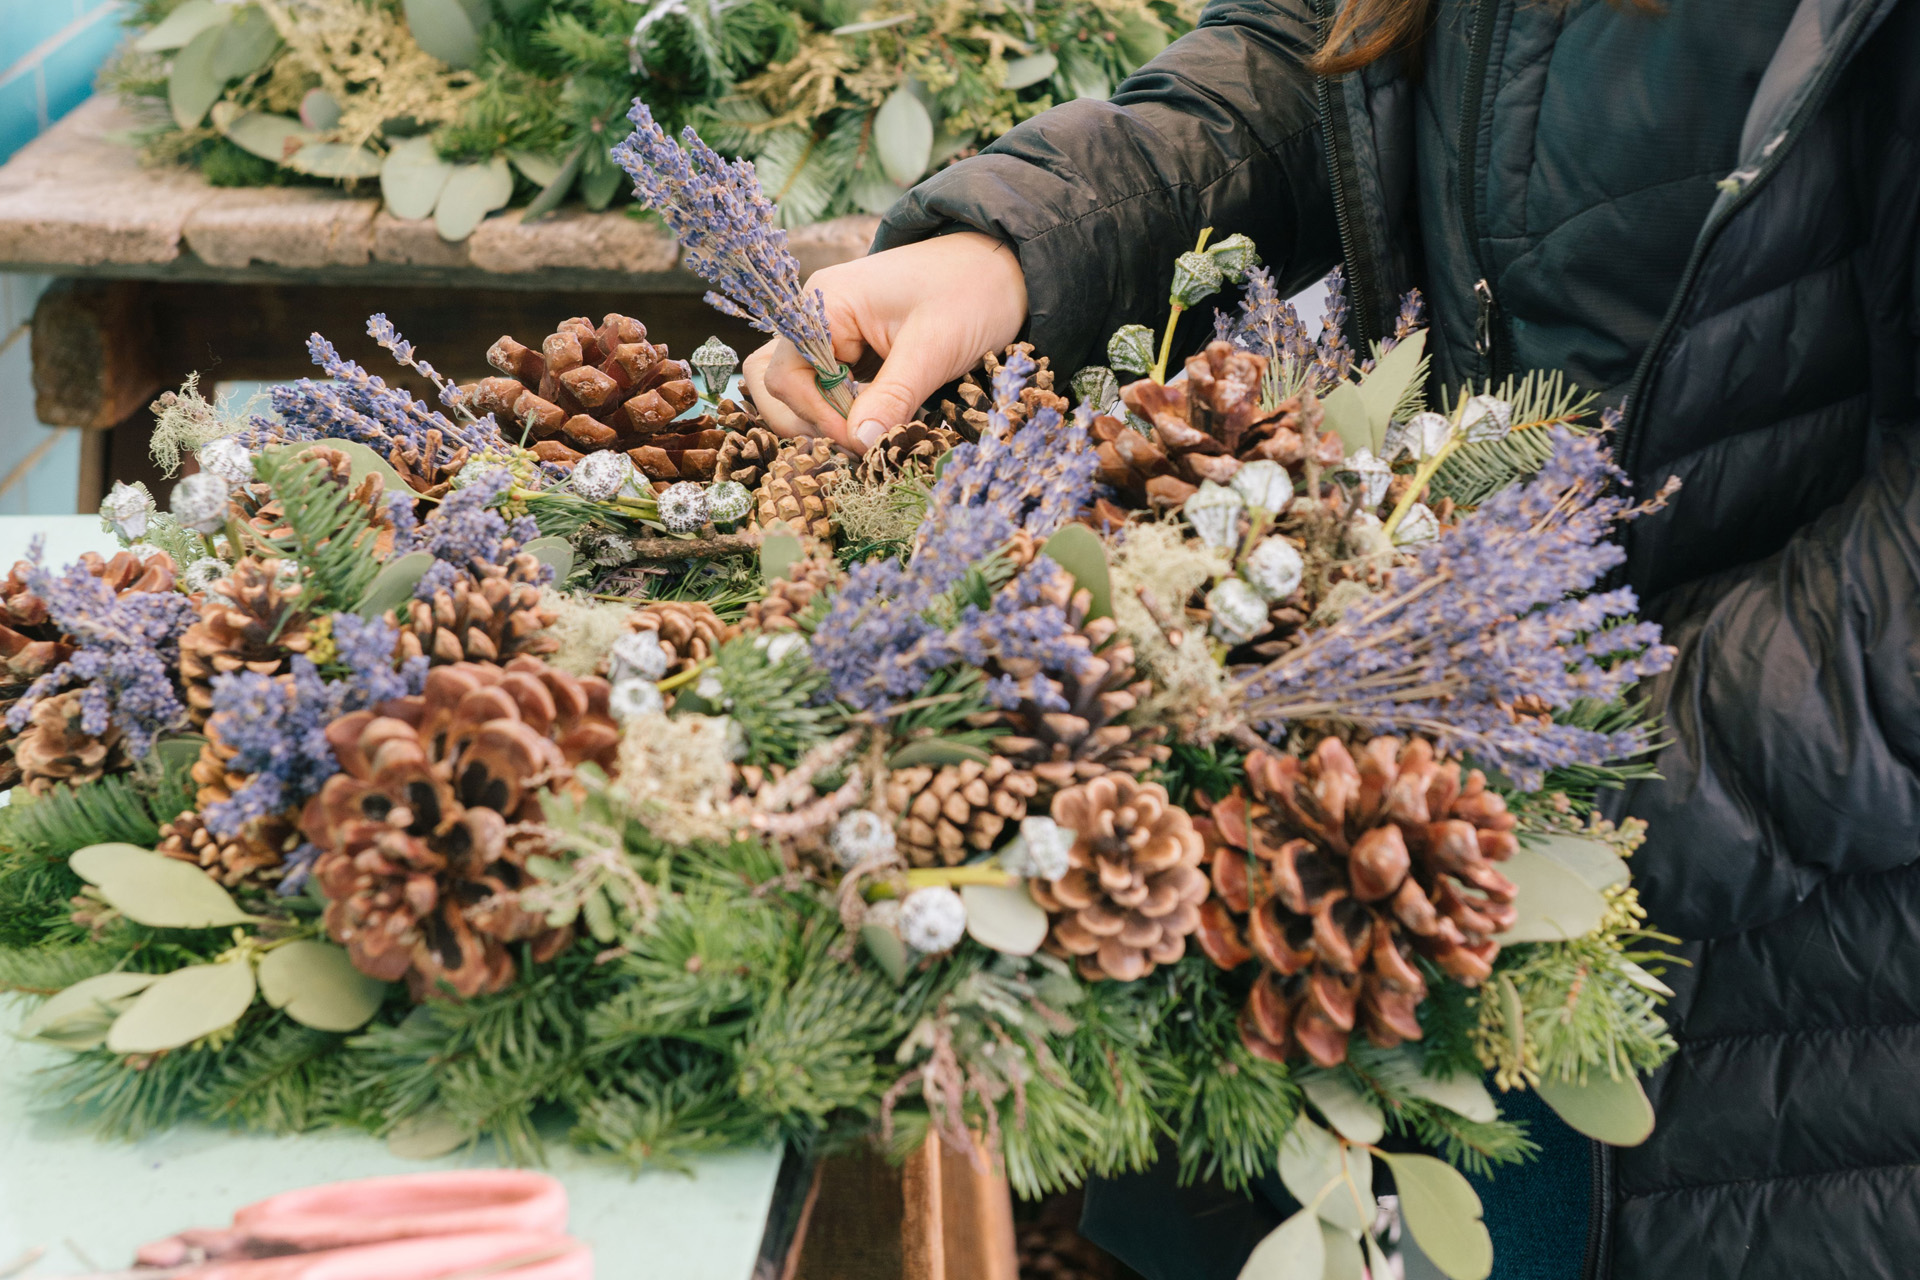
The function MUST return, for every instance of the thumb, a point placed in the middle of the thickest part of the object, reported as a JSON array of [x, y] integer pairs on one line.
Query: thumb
[[913, 370]]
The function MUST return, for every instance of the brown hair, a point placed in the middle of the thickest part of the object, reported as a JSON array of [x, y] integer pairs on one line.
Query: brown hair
[[1376, 28]]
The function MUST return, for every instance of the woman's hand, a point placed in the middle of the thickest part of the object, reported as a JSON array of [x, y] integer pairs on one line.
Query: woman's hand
[[928, 310]]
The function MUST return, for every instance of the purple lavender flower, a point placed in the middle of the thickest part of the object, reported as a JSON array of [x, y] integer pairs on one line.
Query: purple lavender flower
[[1490, 617], [127, 649], [464, 534], [381, 330]]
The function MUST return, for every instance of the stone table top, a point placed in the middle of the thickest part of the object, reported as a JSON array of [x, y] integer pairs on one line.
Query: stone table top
[[78, 201]]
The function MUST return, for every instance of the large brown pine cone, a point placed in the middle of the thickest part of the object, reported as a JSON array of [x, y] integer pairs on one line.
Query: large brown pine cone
[[259, 849], [949, 813], [1134, 886], [497, 618], [1335, 873], [420, 859], [969, 418], [1204, 428], [746, 453], [689, 629], [247, 622], [1088, 737], [912, 447], [790, 597], [55, 748], [588, 387], [798, 487]]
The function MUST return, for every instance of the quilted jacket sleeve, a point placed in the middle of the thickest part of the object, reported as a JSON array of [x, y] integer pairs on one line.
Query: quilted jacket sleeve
[[1220, 130], [1794, 714]]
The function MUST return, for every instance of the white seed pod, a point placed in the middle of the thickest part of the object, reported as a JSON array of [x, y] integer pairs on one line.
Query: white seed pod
[[127, 509], [638, 654], [200, 502], [933, 919], [1041, 850], [1274, 569], [1214, 512], [1367, 536], [710, 688], [859, 835], [202, 573], [715, 362], [475, 471], [1239, 614], [884, 914], [736, 747], [226, 458], [782, 645], [1420, 437], [1485, 418], [606, 548], [635, 697], [1374, 476], [1130, 349], [141, 550], [1096, 385], [728, 502], [599, 477], [1417, 526], [683, 507], [1264, 484]]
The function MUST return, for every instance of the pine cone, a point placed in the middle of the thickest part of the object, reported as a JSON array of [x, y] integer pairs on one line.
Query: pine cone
[[231, 862], [1204, 428], [957, 809], [790, 597], [499, 618], [419, 860], [1134, 887], [586, 388], [1086, 738], [55, 748], [976, 394], [798, 487], [910, 447], [1361, 865], [746, 453], [689, 629], [247, 621]]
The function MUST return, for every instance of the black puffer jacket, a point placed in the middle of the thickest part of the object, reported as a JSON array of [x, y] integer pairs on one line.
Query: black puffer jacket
[[1710, 216]]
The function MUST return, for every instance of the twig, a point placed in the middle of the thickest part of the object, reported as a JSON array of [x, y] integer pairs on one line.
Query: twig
[[717, 547]]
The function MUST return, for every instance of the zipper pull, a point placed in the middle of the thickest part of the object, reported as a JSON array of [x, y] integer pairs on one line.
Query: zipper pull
[[1483, 327]]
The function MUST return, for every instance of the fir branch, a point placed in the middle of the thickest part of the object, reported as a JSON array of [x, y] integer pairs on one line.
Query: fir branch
[[283, 1078], [1541, 401], [115, 809], [43, 970], [330, 535], [776, 704]]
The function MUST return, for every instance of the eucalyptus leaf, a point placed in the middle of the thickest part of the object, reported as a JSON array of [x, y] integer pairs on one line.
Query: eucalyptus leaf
[[780, 550], [1355, 1115], [873, 191], [1462, 1094], [535, 167], [315, 984], [246, 44], [183, 1006], [153, 890], [412, 177], [1377, 1268], [1443, 1213], [1024, 72], [180, 751], [554, 552], [393, 586], [182, 25], [1079, 551], [192, 84], [1294, 1250], [1615, 1112], [427, 1135], [1314, 1167], [444, 29], [553, 191], [334, 160], [598, 913], [261, 133], [1386, 386], [1344, 1260], [599, 182], [472, 192], [937, 752], [903, 136], [1004, 918], [887, 950], [319, 110], [1346, 417], [1592, 860], [1554, 903], [87, 1008]]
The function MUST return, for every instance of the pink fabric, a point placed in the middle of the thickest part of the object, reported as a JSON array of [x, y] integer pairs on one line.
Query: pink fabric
[[425, 1258]]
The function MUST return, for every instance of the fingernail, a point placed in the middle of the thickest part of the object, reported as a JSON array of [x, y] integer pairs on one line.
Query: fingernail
[[868, 433]]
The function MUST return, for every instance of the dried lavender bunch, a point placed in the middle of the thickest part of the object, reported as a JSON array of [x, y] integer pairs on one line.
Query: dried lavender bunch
[[462, 533], [894, 625], [1484, 637], [732, 239], [127, 649]]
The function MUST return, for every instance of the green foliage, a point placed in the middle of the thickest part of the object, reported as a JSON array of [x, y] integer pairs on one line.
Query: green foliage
[[329, 534], [1212, 771], [1582, 783], [1387, 1077], [774, 703], [1540, 402], [285, 1079], [44, 970]]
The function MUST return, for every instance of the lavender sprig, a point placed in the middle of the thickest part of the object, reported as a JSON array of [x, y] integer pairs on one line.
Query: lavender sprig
[[381, 330], [463, 534], [727, 227]]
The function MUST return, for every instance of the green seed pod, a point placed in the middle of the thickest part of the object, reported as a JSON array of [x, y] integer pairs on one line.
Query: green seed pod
[[1234, 256], [1130, 349], [1195, 276]]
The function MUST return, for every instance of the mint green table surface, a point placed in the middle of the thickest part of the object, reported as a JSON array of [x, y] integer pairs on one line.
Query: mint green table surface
[[89, 1203]]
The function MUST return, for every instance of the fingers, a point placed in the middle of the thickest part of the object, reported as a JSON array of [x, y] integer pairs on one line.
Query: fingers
[[780, 381], [916, 366]]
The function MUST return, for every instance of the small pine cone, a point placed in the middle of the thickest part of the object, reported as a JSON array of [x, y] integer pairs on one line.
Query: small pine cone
[[790, 597], [949, 813], [1134, 886], [55, 748], [247, 622], [689, 630], [798, 487], [746, 453], [969, 418], [231, 862], [910, 447], [499, 617]]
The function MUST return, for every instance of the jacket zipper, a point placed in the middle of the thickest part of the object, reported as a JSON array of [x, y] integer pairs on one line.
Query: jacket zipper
[[1597, 1266], [1628, 447], [1480, 42], [1363, 272]]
